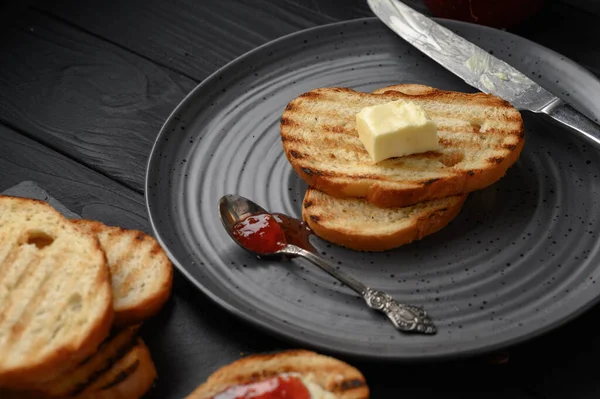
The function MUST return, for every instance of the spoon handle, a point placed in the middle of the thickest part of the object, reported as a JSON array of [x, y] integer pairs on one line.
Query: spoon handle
[[325, 266], [407, 318]]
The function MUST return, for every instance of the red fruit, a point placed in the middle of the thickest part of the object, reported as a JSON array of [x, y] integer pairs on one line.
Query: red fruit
[[495, 13]]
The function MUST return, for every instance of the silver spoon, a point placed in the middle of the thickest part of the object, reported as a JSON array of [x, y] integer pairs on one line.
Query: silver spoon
[[407, 318]]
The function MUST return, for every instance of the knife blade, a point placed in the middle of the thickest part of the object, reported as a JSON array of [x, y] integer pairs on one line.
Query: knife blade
[[479, 68]]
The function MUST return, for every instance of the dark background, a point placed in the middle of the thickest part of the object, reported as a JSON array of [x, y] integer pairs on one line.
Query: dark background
[[85, 86]]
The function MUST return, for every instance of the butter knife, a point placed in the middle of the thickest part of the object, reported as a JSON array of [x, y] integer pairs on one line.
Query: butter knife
[[480, 69]]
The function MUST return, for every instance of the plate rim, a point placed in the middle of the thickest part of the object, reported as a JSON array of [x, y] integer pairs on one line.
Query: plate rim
[[290, 338]]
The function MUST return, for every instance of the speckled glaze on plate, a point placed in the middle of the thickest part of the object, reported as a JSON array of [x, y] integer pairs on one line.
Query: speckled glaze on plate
[[520, 259]]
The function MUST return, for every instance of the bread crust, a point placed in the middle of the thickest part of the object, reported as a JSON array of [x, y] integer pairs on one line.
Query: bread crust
[[426, 223], [110, 351], [377, 189], [152, 301], [130, 378], [67, 356], [331, 374]]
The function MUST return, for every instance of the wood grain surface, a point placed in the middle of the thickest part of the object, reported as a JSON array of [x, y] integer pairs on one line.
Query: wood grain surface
[[85, 97], [197, 37]]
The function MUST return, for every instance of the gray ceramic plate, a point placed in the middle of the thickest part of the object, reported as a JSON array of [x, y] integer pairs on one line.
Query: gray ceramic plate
[[520, 259]]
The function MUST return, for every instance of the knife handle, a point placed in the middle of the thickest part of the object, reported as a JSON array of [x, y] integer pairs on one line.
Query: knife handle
[[569, 116]]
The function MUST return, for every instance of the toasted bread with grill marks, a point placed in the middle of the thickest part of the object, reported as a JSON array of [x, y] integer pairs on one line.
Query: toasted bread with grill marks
[[359, 225], [55, 294], [130, 377], [141, 273], [76, 381], [480, 136], [341, 380]]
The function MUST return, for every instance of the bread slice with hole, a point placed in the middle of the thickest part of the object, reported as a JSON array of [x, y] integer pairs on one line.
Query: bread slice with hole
[[326, 377], [55, 296], [141, 273], [359, 225], [480, 136]]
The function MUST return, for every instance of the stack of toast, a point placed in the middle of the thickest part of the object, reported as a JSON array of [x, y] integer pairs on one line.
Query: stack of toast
[[362, 205], [73, 295]]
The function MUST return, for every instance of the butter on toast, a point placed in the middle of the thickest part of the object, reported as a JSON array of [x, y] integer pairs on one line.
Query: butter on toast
[[359, 225], [480, 136], [141, 273], [332, 377], [55, 295]]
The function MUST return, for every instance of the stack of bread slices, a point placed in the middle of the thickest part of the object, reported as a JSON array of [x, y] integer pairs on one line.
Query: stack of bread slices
[[73, 295], [357, 203]]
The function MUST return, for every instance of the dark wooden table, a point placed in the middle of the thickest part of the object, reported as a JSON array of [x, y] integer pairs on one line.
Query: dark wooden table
[[84, 88]]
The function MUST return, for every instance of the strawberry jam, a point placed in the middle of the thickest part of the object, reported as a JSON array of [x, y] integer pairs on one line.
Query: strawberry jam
[[260, 233], [281, 387]]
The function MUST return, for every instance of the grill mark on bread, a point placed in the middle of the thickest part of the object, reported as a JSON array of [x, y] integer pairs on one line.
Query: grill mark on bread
[[287, 139], [122, 376], [348, 385], [315, 218], [307, 204], [123, 244], [496, 160], [287, 122], [130, 278], [7, 262], [337, 129], [430, 181], [311, 94], [26, 274], [296, 154], [28, 312]]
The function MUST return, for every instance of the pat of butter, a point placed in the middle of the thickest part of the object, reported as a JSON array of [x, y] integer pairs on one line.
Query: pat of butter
[[395, 129]]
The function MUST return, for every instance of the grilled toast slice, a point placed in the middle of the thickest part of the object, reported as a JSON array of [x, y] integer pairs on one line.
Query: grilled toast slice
[[359, 225], [130, 377], [75, 381], [55, 295], [480, 136], [331, 377], [141, 273]]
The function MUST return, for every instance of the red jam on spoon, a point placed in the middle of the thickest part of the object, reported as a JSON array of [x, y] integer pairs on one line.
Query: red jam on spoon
[[280, 387], [260, 233]]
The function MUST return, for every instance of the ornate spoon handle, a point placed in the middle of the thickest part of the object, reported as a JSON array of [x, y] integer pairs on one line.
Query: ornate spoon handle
[[407, 318]]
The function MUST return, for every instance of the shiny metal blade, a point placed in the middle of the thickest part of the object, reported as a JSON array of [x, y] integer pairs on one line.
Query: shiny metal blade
[[474, 65]]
